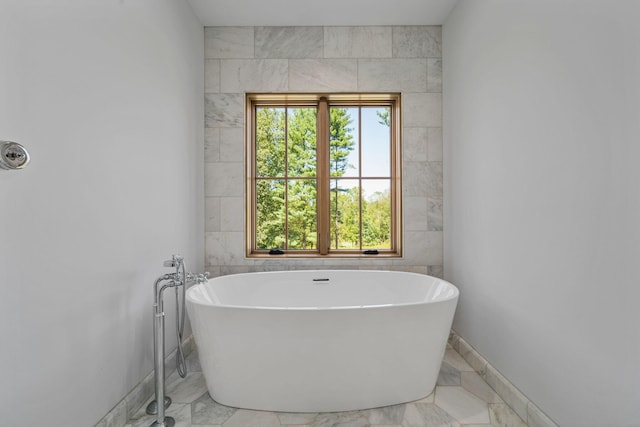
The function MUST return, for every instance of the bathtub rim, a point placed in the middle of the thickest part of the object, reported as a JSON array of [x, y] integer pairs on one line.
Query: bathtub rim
[[455, 295]]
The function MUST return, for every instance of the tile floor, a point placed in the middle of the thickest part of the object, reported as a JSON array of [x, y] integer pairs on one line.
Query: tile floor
[[461, 398]]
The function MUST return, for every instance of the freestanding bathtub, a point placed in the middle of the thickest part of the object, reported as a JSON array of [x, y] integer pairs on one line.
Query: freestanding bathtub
[[321, 341]]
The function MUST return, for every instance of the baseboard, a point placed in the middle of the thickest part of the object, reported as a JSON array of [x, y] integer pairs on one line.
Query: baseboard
[[131, 403], [517, 401]]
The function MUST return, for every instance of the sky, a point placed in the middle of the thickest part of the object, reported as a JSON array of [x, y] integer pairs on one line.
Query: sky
[[375, 146]]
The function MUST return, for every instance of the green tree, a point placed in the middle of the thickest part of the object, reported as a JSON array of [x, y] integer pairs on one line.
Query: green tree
[[341, 142], [376, 220], [270, 162], [271, 214], [301, 193], [345, 212], [286, 196], [302, 215], [301, 142], [383, 115], [270, 142]]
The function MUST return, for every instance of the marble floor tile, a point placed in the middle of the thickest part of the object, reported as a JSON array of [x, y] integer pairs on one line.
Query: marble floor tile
[[249, 418], [427, 414], [206, 411], [454, 359], [472, 382], [193, 362], [503, 416], [296, 419], [341, 419], [188, 389], [462, 405], [389, 415], [180, 412], [448, 375], [427, 399]]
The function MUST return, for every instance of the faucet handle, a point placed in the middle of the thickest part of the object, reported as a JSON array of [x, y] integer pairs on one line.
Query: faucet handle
[[195, 278], [175, 261], [201, 277]]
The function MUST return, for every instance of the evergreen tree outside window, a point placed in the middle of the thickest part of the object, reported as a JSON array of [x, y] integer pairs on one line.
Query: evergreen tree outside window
[[323, 175]]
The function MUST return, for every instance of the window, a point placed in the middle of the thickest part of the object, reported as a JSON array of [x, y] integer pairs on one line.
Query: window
[[323, 175]]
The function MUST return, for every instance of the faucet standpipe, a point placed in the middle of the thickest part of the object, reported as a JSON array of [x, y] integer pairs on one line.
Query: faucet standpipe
[[172, 280]]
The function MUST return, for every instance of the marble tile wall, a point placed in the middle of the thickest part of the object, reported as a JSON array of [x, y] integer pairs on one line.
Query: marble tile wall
[[307, 59]]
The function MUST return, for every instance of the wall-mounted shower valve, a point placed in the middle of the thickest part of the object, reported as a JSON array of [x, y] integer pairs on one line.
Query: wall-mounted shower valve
[[13, 155]]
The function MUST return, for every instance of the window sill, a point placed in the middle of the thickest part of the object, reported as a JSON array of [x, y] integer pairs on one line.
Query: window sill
[[313, 255]]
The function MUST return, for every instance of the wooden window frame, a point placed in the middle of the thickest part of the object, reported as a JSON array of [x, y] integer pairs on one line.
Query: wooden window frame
[[324, 101]]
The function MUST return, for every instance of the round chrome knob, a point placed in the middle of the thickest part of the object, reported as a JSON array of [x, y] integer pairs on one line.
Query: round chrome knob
[[13, 155]]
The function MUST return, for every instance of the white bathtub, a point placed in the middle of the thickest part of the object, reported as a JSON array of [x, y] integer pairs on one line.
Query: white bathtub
[[321, 341]]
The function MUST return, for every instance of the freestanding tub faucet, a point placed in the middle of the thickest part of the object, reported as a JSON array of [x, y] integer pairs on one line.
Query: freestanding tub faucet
[[180, 278]]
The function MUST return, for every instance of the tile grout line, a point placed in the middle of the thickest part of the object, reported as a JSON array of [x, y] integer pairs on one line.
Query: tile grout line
[[482, 367]]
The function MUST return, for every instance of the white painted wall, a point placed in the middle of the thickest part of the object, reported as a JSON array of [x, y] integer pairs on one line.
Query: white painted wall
[[542, 191], [107, 96]]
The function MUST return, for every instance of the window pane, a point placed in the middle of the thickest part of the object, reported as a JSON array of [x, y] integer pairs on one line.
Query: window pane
[[345, 214], [301, 128], [376, 214], [343, 130], [376, 142], [302, 214], [270, 214], [270, 142]]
